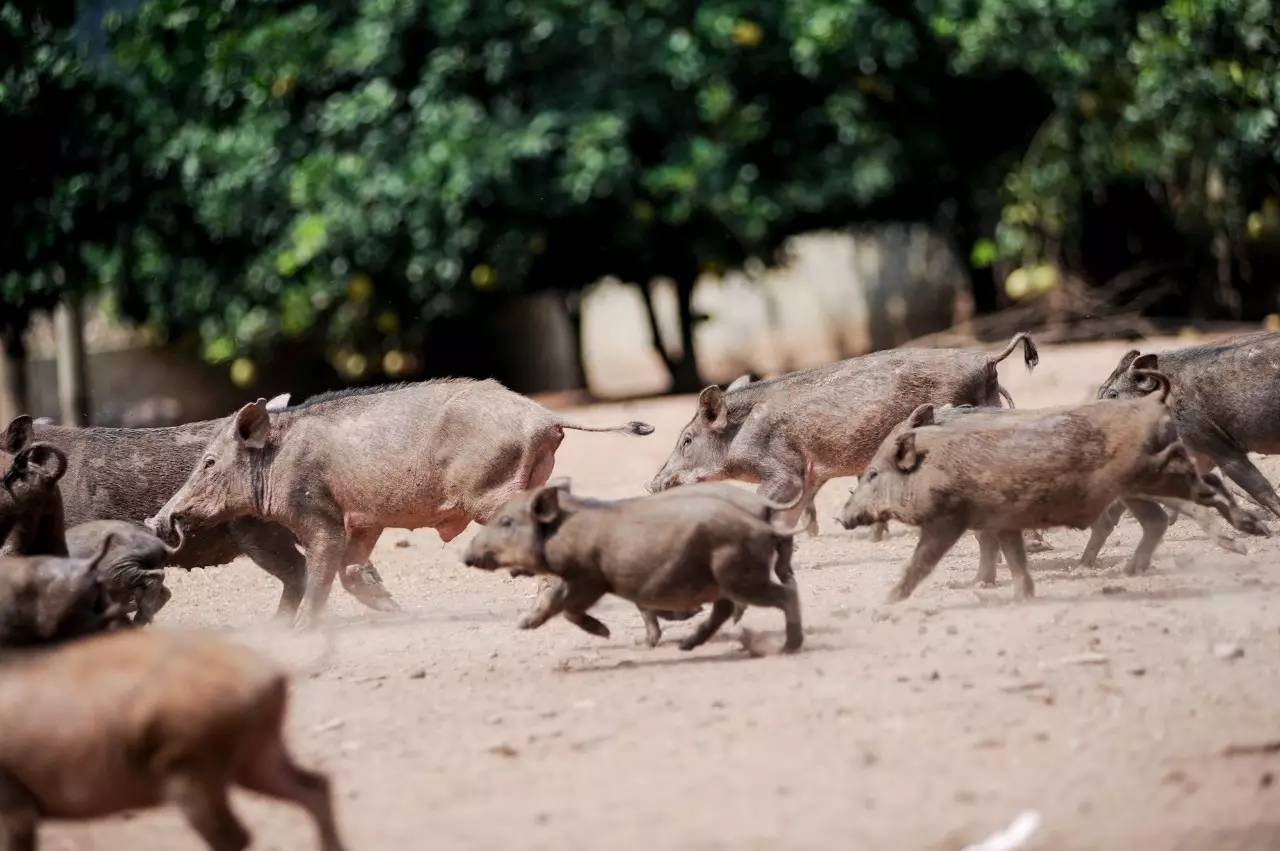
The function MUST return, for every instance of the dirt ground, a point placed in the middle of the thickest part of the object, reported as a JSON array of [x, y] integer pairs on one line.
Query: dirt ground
[[1104, 706]]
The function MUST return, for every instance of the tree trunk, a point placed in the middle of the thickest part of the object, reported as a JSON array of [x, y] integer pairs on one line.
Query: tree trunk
[[684, 368], [573, 310], [684, 375], [73, 391], [655, 330], [13, 375]]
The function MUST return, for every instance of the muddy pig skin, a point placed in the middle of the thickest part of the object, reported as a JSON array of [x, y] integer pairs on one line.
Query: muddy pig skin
[[45, 599], [834, 416], [1225, 403], [144, 718], [128, 474], [668, 552], [338, 469], [31, 513], [1051, 467], [132, 568]]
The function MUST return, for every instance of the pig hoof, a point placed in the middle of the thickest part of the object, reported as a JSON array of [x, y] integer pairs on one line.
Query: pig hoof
[[526, 622], [652, 639], [793, 643], [896, 595], [1039, 547], [985, 583], [738, 611], [690, 643]]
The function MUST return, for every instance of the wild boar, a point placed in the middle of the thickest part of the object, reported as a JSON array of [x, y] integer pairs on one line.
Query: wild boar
[[128, 474], [670, 552], [31, 515], [1052, 467], [142, 718], [52, 598], [132, 568], [338, 469], [1223, 403], [835, 416], [762, 509]]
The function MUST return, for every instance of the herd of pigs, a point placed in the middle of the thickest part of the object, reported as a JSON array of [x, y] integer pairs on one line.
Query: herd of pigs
[[92, 724]]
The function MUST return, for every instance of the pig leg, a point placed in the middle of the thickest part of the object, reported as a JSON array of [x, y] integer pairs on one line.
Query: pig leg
[[936, 538], [561, 598], [202, 798], [879, 531], [326, 551], [743, 584], [1100, 531], [18, 815], [360, 577], [988, 554], [652, 629], [720, 612], [1236, 466], [1016, 555], [274, 550], [273, 772], [585, 622], [1154, 523]]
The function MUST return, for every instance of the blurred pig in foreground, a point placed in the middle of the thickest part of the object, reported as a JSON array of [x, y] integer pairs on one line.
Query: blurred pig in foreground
[[142, 718]]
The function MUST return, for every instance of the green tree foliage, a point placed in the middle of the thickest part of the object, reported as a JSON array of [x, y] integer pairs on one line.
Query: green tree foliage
[[61, 129], [1162, 145], [360, 169]]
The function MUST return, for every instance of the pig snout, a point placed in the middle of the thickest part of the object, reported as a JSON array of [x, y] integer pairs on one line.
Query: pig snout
[[478, 555], [167, 526]]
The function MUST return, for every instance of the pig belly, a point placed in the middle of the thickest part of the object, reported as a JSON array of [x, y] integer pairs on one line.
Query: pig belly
[[84, 789], [1075, 513]]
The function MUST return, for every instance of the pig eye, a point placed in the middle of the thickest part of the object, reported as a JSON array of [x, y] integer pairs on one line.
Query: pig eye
[[209, 462], [1112, 394], [504, 522], [684, 444], [871, 476]]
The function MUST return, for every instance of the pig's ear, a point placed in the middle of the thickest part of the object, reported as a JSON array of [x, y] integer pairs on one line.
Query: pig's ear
[[546, 505], [253, 424], [41, 461], [907, 457], [1144, 362], [712, 409], [738, 383], [278, 403], [19, 433], [921, 416]]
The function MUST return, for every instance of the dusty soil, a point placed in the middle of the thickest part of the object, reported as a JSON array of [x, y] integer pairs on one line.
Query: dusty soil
[[930, 724]]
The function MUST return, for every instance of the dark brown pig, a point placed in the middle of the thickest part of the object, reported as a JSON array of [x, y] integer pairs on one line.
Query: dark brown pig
[[132, 569], [52, 598], [1034, 469], [128, 474], [143, 718], [31, 515], [1224, 403], [337, 470], [762, 509], [668, 552], [834, 416]]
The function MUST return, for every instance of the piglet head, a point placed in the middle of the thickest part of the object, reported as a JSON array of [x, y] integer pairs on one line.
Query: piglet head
[[516, 538]]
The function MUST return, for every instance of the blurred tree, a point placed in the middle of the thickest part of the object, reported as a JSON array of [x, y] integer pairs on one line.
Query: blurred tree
[[355, 170], [62, 127], [1163, 145]]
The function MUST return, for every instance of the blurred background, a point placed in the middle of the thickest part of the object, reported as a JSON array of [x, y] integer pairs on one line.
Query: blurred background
[[206, 201]]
